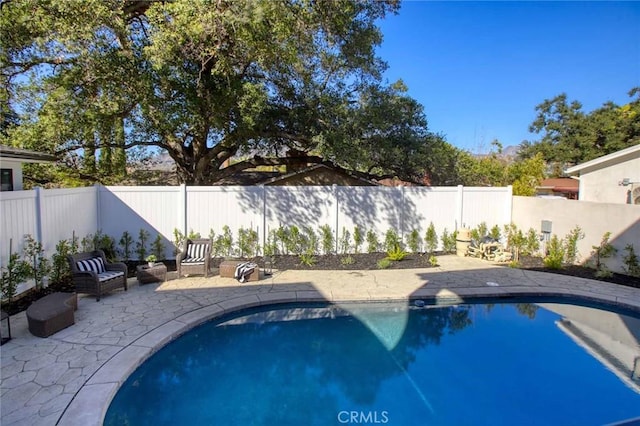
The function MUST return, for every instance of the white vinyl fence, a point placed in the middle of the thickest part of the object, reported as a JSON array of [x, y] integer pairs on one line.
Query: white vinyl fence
[[56, 214]]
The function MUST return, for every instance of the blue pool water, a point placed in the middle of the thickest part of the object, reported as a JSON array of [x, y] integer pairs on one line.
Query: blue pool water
[[493, 364]]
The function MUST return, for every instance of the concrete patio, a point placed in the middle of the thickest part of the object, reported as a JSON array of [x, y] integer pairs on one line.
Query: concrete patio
[[71, 377]]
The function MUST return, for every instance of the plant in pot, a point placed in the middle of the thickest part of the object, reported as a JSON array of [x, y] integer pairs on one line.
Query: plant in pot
[[151, 260]]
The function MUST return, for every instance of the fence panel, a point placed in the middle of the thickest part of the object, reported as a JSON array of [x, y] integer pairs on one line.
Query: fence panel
[[489, 205], [65, 212], [431, 205], [154, 209], [18, 211], [216, 206]]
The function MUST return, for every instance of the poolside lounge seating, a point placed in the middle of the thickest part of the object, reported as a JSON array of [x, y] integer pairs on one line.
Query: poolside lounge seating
[[195, 257], [92, 273]]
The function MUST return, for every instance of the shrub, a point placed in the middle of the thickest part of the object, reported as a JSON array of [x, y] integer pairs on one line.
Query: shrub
[[60, 272], [310, 240], [347, 260], [397, 253], [247, 242], [15, 272], [178, 240], [448, 241], [372, 242], [282, 235], [225, 242], [345, 241], [37, 264], [271, 246], [555, 253], [632, 266], [384, 263], [571, 245], [431, 239], [532, 242], [294, 243], [433, 261], [495, 233], [601, 252], [141, 245], [414, 241], [126, 244], [391, 240], [307, 259], [328, 243], [157, 247], [358, 239]]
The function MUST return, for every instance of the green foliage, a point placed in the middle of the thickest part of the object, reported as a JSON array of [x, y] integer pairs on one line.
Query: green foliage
[[14, 272], [396, 253], [495, 233], [516, 241], [358, 239], [178, 240], [126, 245], [192, 235], [384, 263], [448, 241], [60, 272], [555, 253], [372, 242], [247, 242], [307, 259], [532, 242], [271, 246], [310, 239], [431, 239], [100, 241], [347, 260], [151, 258], [433, 261], [38, 265], [326, 236], [571, 245], [600, 252], [630, 260], [141, 244], [224, 242], [391, 240], [414, 241], [157, 247], [570, 136], [294, 243], [345, 241], [282, 235]]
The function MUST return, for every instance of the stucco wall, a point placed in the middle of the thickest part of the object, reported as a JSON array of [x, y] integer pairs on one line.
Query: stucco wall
[[622, 220], [602, 185], [16, 166]]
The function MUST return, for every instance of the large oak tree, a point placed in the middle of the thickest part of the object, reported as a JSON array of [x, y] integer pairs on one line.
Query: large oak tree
[[204, 80]]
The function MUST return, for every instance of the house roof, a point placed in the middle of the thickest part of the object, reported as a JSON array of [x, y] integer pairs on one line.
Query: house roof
[[560, 184], [606, 160], [316, 167], [25, 155]]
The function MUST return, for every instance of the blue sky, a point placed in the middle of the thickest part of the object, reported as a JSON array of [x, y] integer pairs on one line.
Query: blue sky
[[480, 68]]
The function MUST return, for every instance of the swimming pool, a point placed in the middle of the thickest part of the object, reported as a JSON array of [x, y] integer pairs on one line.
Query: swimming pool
[[519, 363]]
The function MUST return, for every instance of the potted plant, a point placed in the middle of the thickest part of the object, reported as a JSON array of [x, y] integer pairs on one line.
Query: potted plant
[[151, 259]]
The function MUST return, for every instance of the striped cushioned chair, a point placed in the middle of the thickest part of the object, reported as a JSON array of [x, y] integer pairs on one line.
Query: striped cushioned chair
[[195, 257], [93, 275]]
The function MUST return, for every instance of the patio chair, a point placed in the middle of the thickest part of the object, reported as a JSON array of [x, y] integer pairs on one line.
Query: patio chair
[[92, 273], [195, 257]]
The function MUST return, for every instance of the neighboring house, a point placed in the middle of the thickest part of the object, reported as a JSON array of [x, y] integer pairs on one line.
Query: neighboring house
[[11, 160], [558, 187], [304, 175], [612, 178]]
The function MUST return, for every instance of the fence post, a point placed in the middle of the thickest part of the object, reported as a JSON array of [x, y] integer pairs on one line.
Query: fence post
[[264, 216], [182, 209], [459, 206], [336, 195], [98, 209], [509, 204], [38, 213]]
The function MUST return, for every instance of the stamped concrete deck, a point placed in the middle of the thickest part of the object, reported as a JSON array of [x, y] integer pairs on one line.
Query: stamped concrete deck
[[71, 377]]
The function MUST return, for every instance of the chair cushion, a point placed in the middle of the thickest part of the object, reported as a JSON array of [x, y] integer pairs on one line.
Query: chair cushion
[[193, 260], [197, 251], [94, 264], [108, 275]]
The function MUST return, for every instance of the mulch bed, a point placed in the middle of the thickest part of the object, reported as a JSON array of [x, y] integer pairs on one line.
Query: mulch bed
[[362, 261]]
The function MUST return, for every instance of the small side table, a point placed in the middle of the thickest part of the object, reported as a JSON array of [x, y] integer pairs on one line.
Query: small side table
[[151, 274], [5, 316]]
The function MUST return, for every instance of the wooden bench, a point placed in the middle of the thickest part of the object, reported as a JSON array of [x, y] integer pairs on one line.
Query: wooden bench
[[228, 270], [52, 313]]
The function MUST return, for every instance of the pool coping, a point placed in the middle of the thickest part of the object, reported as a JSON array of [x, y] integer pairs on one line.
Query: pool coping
[[91, 402]]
